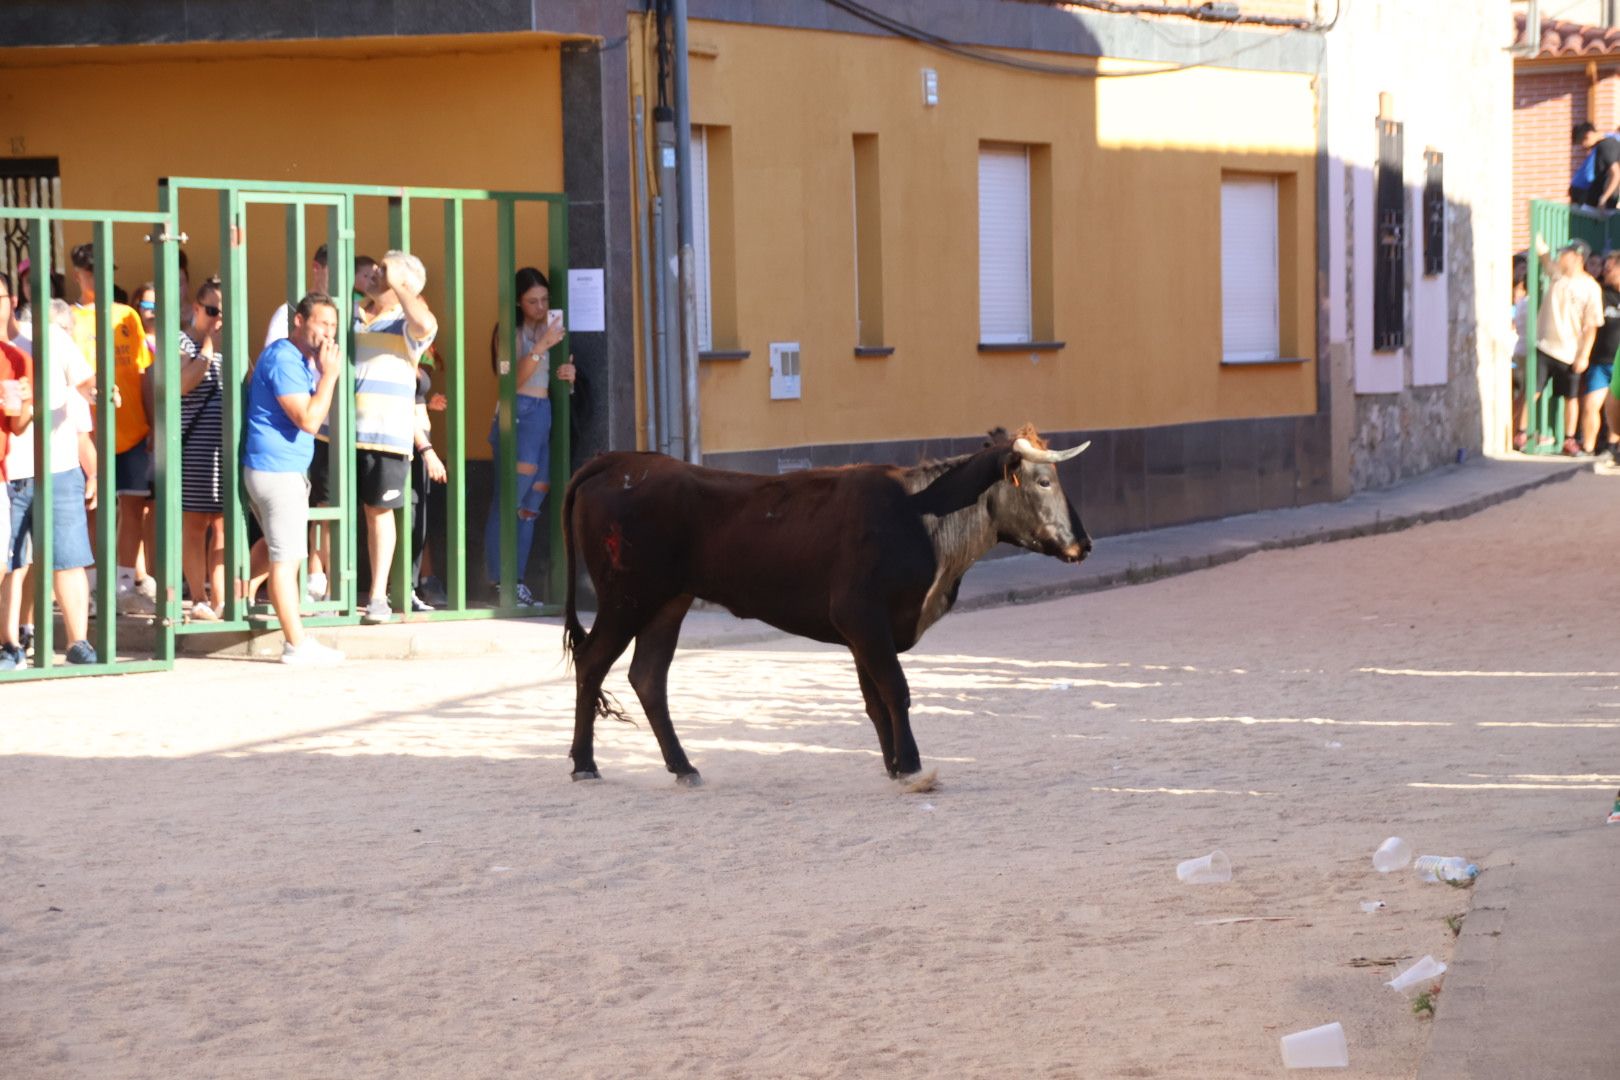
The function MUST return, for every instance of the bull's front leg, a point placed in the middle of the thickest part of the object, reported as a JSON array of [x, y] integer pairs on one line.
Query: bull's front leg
[[867, 632], [878, 713]]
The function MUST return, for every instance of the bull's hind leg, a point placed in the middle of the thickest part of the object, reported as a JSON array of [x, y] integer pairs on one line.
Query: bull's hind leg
[[595, 656], [649, 675], [879, 715]]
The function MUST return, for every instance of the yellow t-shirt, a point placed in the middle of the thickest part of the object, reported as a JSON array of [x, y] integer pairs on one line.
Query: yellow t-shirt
[[131, 358]]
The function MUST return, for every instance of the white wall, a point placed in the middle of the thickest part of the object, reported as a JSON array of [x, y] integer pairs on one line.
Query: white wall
[[1446, 65]]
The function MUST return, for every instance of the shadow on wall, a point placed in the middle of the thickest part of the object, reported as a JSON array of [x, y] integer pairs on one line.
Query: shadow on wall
[[1406, 408]]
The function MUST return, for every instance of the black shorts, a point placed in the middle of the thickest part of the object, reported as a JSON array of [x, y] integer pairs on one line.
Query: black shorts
[[1566, 382], [320, 494], [382, 478]]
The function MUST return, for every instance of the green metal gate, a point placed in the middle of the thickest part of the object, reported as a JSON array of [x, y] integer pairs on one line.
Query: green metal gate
[[1555, 224], [339, 200], [104, 628]]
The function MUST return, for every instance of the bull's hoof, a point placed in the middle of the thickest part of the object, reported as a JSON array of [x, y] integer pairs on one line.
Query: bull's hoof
[[690, 779], [585, 774], [918, 782]]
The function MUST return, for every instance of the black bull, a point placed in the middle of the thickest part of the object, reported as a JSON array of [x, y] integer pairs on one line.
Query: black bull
[[867, 556]]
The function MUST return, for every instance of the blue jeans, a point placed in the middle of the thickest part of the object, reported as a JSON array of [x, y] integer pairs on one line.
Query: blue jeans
[[531, 428]]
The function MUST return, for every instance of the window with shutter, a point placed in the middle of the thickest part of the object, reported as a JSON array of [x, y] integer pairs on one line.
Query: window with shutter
[[1250, 330], [700, 238], [1004, 286], [1389, 266]]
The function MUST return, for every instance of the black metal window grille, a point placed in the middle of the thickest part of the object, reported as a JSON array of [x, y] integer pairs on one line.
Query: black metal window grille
[[1389, 268], [1434, 214], [28, 182]]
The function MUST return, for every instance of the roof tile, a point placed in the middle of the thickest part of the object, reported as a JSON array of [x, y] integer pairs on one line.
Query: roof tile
[[1562, 38]]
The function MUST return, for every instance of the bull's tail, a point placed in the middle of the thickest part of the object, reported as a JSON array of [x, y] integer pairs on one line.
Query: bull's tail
[[573, 630], [607, 706]]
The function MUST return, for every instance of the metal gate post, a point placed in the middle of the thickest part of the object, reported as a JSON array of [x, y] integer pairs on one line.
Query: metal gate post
[[166, 464], [39, 287], [561, 413], [506, 454], [235, 365], [455, 302], [399, 574], [106, 440]]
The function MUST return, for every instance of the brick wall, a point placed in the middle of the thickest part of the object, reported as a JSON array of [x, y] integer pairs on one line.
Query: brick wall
[[1545, 106]]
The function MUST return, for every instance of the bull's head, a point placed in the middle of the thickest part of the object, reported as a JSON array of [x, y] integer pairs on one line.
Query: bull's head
[[1029, 508]]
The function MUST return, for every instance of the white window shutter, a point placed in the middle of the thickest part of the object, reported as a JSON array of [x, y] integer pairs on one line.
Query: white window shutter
[[1004, 314], [1249, 297], [700, 236]]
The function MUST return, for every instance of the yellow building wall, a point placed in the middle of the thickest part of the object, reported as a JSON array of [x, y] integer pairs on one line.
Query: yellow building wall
[[1135, 170], [474, 111]]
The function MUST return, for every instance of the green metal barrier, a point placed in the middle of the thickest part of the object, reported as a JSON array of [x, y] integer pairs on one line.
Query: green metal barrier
[[166, 568], [339, 200], [1556, 224]]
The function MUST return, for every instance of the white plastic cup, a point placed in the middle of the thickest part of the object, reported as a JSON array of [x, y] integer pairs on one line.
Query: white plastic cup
[[1318, 1048], [1425, 970], [1212, 869], [11, 396], [1392, 854]]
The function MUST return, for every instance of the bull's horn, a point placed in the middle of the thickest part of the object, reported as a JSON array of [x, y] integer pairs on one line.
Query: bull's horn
[[1027, 449]]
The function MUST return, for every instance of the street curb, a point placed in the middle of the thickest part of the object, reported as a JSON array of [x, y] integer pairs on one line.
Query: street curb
[[1173, 567], [423, 643]]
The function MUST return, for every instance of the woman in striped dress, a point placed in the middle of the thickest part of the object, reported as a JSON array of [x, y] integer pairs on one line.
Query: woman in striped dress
[[201, 432]]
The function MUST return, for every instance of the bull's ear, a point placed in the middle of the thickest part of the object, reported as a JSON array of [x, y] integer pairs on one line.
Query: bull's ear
[[1010, 465]]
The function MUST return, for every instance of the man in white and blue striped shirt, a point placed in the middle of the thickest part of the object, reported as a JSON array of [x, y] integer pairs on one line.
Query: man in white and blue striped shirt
[[389, 341]]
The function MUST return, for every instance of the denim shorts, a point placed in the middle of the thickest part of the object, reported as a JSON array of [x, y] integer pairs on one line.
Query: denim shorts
[[1598, 378], [133, 470], [18, 554], [70, 527]]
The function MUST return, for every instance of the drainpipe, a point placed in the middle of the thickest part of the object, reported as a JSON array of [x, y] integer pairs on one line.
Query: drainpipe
[[688, 259], [671, 435], [644, 257]]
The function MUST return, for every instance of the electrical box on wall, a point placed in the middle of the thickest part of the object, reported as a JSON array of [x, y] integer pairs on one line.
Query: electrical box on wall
[[784, 370], [930, 86]]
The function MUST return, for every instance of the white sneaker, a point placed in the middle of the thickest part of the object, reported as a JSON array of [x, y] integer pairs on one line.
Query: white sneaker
[[317, 587], [310, 654]]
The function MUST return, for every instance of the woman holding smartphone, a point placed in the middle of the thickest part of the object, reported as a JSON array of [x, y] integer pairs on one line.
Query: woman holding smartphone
[[538, 329]]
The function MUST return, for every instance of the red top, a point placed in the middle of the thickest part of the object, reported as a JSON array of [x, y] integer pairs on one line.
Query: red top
[[14, 364]]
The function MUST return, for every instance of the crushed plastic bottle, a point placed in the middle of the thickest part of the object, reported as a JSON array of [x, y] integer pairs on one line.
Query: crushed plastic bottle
[[1435, 868]]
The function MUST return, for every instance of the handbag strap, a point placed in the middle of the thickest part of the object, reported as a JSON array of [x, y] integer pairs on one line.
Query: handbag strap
[[213, 391]]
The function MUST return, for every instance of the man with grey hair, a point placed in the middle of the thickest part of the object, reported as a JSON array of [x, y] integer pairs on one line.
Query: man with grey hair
[[389, 340]]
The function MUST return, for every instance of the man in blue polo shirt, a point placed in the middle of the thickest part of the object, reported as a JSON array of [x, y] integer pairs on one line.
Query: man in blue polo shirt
[[286, 403]]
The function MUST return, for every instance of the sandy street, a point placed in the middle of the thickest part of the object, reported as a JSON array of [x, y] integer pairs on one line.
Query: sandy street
[[383, 871]]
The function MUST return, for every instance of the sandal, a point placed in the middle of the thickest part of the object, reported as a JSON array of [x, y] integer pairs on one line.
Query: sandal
[[1520, 439], [1571, 448]]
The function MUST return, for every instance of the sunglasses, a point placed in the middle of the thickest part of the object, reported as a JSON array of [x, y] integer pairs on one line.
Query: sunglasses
[[147, 305], [210, 310]]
